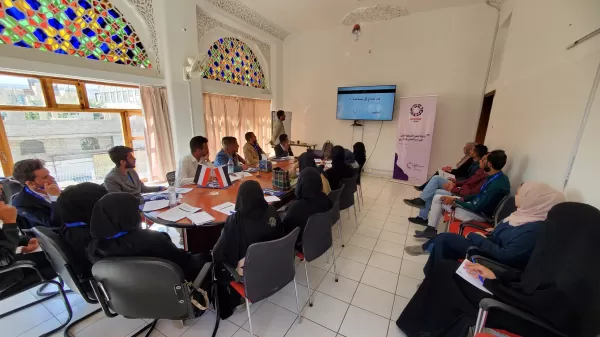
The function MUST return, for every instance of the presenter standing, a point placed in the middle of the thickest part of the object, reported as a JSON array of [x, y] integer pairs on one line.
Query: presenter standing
[[278, 128]]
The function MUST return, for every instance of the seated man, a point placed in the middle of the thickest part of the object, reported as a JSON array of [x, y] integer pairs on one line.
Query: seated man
[[230, 151], [36, 202], [496, 187], [123, 178], [187, 166], [464, 168], [252, 152], [283, 149], [439, 185]]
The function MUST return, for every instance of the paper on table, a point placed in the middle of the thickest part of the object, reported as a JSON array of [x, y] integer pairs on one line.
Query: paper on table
[[235, 176], [318, 161], [446, 175], [183, 190], [227, 208], [178, 213], [245, 174], [470, 278], [154, 205], [200, 218], [271, 198]]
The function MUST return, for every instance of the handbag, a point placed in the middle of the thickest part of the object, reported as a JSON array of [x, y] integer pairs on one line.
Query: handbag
[[281, 179]]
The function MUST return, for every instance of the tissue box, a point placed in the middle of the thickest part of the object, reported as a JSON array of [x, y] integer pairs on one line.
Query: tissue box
[[265, 166]]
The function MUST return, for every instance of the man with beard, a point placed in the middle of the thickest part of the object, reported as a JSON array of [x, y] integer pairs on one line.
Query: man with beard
[[123, 177]]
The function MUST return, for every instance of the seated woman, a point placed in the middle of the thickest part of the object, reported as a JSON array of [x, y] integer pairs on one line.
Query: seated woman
[[339, 170], [360, 155], [117, 232], [558, 286], [307, 159], [511, 242], [75, 206], [311, 200]]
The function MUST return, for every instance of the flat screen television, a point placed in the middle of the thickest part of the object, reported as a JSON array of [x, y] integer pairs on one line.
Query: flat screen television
[[374, 103]]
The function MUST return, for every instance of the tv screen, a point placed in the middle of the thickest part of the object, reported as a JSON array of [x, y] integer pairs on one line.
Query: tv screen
[[374, 103]]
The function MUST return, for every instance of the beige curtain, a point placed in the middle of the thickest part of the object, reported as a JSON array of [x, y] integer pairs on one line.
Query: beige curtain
[[159, 138], [234, 116]]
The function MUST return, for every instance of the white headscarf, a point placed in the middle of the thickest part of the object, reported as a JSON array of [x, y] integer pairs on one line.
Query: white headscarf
[[536, 200]]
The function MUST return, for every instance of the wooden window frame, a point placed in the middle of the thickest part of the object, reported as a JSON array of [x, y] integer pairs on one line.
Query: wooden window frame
[[6, 159]]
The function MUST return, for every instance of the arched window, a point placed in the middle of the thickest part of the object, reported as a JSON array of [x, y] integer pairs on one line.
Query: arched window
[[32, 147], [93, 29], [90, 143], [232, 61]]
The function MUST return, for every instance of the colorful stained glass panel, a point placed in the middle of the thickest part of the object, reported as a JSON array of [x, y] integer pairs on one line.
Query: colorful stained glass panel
[[92, 29], [232, 61]]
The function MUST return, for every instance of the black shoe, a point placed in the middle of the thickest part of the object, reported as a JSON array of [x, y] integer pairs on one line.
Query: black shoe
[[416, 202], [418, 221], [419, 188], [428, 233]]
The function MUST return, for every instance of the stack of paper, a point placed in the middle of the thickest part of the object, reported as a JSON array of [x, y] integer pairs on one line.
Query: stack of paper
[[227, 208], [177, 213], [473, 279], [181, 190], [200, 218], [154, 205], [271, 198]]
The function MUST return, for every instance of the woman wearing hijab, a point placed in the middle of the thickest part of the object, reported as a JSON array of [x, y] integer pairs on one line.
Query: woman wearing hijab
[[558, 286], [311, 200], [307, 159], [75, 206], [116, 232], [339, 170], [360, 155], [511, 242]]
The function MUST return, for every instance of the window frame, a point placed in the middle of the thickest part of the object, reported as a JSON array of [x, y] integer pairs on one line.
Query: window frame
[[6, 158]]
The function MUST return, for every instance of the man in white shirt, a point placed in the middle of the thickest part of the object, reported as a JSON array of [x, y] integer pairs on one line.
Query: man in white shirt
[[278, 128], [187, 166]]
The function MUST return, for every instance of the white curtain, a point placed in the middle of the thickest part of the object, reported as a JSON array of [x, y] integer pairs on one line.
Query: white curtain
[[159, 138]]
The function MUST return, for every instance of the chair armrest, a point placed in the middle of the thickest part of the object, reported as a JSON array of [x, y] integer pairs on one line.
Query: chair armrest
[[236, 276], [489, 303], [473, 251], [493, 265], [202, 275], [485, 217], [18, 265], [469, 224]]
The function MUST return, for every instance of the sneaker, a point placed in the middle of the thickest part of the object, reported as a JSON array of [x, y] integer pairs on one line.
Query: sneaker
[[416, 202], [418, 220], [414, 250], [428, 233]]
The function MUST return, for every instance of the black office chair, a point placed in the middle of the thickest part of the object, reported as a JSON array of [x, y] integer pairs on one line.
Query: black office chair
[[317, 240], [347, 197], [171, 178], [504, 209], [62, 261], [140, 287], [335, 196], [10, 188]]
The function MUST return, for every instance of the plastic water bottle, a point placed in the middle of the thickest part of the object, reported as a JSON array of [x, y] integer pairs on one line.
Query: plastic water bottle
[[230, 167], [172, 196]]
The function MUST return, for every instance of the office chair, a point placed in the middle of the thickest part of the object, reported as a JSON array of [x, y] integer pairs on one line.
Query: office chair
[[347, 197], [10, 188], [504, 209], [334, 196]]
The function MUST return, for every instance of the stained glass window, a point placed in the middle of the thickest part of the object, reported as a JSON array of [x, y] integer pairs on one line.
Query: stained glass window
[[93, 29], [232, 61]]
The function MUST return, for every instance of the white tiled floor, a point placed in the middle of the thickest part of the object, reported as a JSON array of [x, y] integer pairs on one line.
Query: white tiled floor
[[376, 281]]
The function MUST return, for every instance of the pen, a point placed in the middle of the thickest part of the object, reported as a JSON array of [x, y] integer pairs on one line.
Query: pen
[[480, 278]]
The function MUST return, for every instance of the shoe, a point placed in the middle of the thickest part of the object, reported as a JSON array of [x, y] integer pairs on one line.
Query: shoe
[[416, 202], [417, 220], [414, 250], [419, 188], [428, 233]]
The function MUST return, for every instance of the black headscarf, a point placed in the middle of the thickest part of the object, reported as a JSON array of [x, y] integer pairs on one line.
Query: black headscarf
[[360, 153], [115, 213], [339, 169], [250, 202], [338, 156], [309, 183], [76, 203], [307, 159]]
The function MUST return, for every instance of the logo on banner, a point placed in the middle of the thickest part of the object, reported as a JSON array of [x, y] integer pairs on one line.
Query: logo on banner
[[416, 111]]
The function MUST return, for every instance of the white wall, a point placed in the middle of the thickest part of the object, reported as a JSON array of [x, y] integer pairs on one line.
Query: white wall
[[542, 89], [444, 52]]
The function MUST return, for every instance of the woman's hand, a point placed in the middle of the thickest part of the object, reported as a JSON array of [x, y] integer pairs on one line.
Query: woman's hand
[[476, 270], [32, 245]]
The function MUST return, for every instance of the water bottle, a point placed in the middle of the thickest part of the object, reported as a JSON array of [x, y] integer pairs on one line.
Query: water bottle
[[230, 167], [172, 196]]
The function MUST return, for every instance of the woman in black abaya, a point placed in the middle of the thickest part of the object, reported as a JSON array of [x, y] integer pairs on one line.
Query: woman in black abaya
[[559, 285], [339, 170]]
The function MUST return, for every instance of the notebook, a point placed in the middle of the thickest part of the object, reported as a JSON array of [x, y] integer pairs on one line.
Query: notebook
[[474, 280]]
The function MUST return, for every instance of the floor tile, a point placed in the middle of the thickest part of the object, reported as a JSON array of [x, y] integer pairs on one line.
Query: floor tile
[[315, 275], [401, 209], [422, 259], [240, 316], [116, 326], [393, 237], [309, 329], [380, 279], [377, 215], [171, 328], [414, 227], [286, 297], [350, 269], [412, 269], [356, 254], [400, 228], [368, 201], [361, 323], [326, 311], [271, 320], [374, 300], [347, 232], [389, 248], [412, 241], [394, 331], [385, 262], [342, 290], [80, 310], [372, 222], [16, 301], [57, 306], [322, 261], [24, 320], [369, 231], [407, 286], [204, 326], [242, 333], [362, 241], [399, 304], [384, 201], [380, 209], [42, 328]]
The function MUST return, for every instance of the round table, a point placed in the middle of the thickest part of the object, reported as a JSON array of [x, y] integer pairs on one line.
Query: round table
[[201, 239]]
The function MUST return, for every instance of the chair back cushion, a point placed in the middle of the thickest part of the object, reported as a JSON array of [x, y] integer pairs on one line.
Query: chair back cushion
[[335, 198], [10, 188], [505, 208], [317, 238], [347, 197]]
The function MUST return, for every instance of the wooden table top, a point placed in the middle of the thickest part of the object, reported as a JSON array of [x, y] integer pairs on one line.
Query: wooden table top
[[201, 197]]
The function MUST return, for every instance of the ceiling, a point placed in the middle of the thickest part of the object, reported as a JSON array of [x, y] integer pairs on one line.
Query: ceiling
[[301, 15]]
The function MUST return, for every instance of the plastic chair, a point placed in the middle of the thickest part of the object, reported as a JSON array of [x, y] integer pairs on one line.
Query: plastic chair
[[347, 197], [317, 240], [171, 178], [61, 259], [269, 266], [139, 287], [334, 196]]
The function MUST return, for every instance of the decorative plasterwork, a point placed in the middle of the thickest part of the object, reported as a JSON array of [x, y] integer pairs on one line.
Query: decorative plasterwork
[[496, 3], [246, 14], [144, 7], [374, 13], [206, 24]]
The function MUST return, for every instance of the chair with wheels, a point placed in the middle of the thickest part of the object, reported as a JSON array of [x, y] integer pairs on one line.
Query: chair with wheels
[[171, 178], [317, 240], [334, 196], [347, 197], [269, 266], [141, 287]]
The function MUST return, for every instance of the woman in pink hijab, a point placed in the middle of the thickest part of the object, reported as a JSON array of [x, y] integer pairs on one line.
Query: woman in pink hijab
[[513, 239]]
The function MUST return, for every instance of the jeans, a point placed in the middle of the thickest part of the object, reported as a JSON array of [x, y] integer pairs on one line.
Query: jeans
[[437, 207], [448, 246], [434, 186]]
